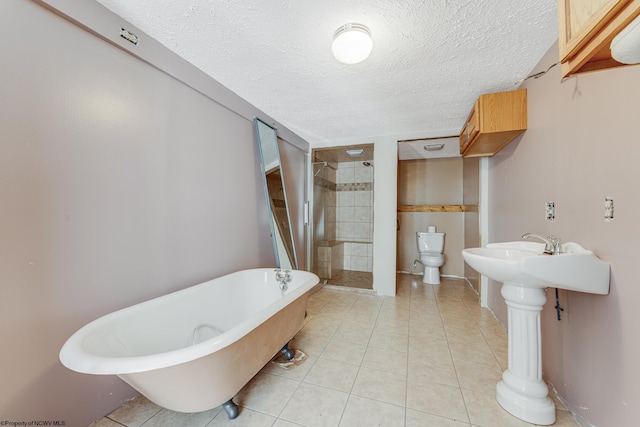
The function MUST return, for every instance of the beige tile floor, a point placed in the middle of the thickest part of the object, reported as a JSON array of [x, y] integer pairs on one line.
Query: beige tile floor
[[353, 279], [428, 357]]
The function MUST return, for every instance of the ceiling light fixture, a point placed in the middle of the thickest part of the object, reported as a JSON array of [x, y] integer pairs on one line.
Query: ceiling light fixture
[[433, 147], [352, 43], [625, 47], [356, 152]]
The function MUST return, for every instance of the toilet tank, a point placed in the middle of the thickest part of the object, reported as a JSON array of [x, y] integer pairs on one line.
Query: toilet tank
[[430, 242]]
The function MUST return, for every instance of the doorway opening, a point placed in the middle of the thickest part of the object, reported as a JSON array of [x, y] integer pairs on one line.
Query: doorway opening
[[342, 215]]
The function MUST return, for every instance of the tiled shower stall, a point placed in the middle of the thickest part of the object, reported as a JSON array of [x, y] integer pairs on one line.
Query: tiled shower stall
[[343, 218]]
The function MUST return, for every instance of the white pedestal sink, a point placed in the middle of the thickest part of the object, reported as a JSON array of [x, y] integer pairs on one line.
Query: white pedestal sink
[[525, 272]]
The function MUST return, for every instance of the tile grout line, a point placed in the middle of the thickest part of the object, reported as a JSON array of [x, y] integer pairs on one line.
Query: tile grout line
[[117, 422], [279, 416], [342, 320], [406, 386], [360, 364], [332, 336], [446, 334], [460, 297]]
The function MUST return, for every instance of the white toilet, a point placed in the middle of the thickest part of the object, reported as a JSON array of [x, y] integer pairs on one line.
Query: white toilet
[[430, 246]]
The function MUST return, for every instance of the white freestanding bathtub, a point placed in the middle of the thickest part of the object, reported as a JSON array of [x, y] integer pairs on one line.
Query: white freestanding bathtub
[[194, 349]]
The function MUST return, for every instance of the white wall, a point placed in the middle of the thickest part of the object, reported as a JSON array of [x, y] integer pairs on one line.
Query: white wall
[[118, 183], [581, 146]]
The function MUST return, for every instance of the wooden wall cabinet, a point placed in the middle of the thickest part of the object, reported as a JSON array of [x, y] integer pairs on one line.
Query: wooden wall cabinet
[[585, 31], [496, 119]]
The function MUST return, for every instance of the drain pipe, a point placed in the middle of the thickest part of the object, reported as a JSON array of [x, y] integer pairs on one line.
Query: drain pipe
[[558, 307], [453, 276]]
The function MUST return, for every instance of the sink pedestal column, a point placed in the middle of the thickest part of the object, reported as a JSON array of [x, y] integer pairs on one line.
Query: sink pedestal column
[[522, 392]]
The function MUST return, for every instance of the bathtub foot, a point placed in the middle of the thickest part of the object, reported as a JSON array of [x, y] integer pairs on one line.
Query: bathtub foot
[[288, 353], [231, 409]]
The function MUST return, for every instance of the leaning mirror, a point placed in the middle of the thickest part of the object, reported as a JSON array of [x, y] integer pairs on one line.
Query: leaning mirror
[[274, 190]]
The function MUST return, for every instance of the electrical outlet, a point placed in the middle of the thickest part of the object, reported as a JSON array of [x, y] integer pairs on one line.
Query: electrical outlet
[[608, 209], [550, 211]]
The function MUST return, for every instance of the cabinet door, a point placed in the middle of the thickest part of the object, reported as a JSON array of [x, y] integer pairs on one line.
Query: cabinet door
[[580, 20], [471, 128]]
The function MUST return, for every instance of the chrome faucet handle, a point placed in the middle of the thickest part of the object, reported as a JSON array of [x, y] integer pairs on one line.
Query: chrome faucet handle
[[551, 244], [283, 275], [556, 247]]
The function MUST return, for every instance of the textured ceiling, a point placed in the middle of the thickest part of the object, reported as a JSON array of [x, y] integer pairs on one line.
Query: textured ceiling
[[431, 58]]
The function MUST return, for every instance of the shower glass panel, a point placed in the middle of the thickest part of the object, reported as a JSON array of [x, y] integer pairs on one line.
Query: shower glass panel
[[342, 214], [322, 210]]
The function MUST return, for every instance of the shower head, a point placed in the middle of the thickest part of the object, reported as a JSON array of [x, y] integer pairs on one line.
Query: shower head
[[322, 164]]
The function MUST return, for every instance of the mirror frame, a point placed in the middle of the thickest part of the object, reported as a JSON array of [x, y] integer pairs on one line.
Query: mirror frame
[[270, 162]]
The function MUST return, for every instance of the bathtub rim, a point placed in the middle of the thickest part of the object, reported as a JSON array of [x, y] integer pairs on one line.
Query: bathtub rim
[[74, 356]]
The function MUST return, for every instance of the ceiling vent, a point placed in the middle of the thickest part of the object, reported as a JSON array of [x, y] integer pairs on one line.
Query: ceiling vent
[[429, 148]]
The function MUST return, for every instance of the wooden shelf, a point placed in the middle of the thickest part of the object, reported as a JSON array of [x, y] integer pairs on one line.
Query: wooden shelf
[[437, 208]]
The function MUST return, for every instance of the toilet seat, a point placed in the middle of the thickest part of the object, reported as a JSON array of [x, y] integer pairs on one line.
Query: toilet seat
[[430, 245], [430, 254]]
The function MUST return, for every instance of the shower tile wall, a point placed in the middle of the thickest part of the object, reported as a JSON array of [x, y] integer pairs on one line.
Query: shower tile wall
[[343, 227], [354, 214]]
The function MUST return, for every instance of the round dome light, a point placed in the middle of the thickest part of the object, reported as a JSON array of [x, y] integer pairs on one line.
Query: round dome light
[[352, 43]]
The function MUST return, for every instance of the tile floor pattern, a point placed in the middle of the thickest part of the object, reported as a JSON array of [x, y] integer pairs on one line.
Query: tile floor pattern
[[353, 279], [428, 357]]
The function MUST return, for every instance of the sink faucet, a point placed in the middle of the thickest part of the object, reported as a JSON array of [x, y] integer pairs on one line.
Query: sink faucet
[[551, 243]]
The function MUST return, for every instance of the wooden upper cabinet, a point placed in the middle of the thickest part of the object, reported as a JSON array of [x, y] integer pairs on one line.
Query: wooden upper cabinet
[[496, 119], [586, 29]]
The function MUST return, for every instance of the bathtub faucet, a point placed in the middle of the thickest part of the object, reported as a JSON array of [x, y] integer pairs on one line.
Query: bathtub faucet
[[283, 277]]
